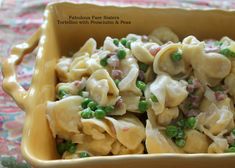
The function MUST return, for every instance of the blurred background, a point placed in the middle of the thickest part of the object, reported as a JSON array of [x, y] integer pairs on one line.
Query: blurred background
[[18, 20]]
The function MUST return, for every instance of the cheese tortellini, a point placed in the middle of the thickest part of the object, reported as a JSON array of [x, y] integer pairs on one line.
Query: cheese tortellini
[[145, 94], [169, 93], [164, 64], [102, 87], [157, 142], [63, 118]]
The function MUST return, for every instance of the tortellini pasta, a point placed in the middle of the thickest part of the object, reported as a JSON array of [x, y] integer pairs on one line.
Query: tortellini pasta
[[109, 45], [162, 35], [131, 101], [62, 68], [140, 51], [168, 115], [97, 147], [130, 70], [102, 88], [230, 81], [196, 142], [219, 144], [145, 94], [157, 142], [72, 88], [163, 62], [170, 93], [84, 66], [216, 119], [63, 116], [119, 149], [129, 130], [209, 68]]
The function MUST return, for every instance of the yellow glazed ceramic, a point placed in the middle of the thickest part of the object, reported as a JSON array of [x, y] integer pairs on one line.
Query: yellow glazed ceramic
[[62, 33]]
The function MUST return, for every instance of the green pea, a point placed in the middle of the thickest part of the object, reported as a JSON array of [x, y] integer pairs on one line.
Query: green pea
[[124, 41], [61, 148], [171, 131], [84, 154], [92, 105], [143, 66], [143, 106], [180, 134], [218, 43], [190, 81], [153, 98], [108, 109], [85, 102], [141, 85], [128, 44], [232, 145], [181, 123], [233, 131], [62, 93], [67, 143], [180, 142], [87, 113], [230, 150], [190, 122], [100, 107], [100, 114], [104, 62], [117, 81], [121, 54], [176, 56], [227, 52], [72, 148], [115, 41]]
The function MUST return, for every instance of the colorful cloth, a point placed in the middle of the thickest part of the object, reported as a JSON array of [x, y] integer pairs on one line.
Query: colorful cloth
[[18, 20]]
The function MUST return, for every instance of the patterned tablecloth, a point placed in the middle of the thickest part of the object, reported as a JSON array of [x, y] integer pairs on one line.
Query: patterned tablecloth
[[18, 20]]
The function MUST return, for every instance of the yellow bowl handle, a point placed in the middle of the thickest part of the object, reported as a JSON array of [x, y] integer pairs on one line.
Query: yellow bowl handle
[[10, 83]]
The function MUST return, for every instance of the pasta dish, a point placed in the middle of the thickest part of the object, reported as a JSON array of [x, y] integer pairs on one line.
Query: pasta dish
[[145, 94]]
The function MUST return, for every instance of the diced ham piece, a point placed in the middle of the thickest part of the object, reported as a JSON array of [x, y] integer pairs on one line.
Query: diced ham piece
[[59, 140], [197, 83], [113, 61], [194, 97], [119, 103], [154, 50], [117, 74], [141, 75], [194, 85], [191, 113], [190, 106], [219, 95], [77, 83], [190, 88]]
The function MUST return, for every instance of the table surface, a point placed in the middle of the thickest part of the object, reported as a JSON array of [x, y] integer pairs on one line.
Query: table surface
[[18, 20]]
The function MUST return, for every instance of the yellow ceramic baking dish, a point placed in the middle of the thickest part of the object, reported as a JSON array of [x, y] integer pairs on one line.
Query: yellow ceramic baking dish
[[62, 33]]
